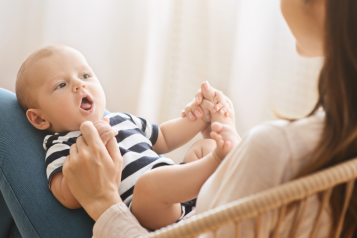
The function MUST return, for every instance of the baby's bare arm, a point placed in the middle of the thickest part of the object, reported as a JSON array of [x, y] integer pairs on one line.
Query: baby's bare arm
[[60, 190], [176, 133]]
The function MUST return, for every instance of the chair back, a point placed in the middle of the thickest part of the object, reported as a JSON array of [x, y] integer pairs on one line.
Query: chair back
[[297, 191]]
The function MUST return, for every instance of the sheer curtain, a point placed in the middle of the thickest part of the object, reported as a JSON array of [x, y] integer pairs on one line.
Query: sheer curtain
[[152, 55], [243, 48], [112, 35]]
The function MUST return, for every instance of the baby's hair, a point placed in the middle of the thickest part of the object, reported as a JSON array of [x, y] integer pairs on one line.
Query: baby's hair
[[24, 82]]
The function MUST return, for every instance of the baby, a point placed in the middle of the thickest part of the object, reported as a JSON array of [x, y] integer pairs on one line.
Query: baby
[[59, 91]]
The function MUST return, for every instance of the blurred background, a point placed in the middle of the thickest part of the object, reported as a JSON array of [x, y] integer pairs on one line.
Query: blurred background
[[152, 55]]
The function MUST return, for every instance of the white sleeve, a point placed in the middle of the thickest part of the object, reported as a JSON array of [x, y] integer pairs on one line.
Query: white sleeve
[[118, 222]]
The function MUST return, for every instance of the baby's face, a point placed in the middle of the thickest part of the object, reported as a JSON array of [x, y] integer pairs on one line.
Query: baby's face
[[68, 92]]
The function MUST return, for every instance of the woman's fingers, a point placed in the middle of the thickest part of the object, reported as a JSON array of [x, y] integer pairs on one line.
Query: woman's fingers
[[113, 150], [116, 156], [208, 92]]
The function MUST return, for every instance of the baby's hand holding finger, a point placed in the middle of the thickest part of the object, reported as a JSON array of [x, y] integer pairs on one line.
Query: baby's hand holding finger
[[105, 131], [106, 119], [192, 111]]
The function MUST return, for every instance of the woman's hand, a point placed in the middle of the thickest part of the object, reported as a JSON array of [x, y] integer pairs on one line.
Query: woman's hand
[[206, 101], [93, 171]]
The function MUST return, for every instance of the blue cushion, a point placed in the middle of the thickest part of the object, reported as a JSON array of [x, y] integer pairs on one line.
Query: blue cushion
[[23, 182]]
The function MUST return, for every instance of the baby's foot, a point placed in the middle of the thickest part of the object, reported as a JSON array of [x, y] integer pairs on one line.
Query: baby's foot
[[226, 139]]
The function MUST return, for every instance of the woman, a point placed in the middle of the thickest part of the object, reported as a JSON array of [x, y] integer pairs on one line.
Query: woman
[[269, 154]]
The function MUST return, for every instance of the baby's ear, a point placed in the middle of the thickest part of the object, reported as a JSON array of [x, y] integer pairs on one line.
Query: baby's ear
[[36, 119]]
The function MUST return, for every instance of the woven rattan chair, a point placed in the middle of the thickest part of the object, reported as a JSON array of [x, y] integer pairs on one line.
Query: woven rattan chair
[[276, 198]]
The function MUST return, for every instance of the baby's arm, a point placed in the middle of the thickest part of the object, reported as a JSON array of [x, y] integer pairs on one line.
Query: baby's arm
[[213, 107], [60, 190], [177, 132]]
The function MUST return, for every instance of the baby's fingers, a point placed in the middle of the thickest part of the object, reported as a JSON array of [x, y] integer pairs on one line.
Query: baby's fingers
[[192, 111], [222, 106], [107, 136], [106, 119], [198, 97], [183, 113], [105, 131]]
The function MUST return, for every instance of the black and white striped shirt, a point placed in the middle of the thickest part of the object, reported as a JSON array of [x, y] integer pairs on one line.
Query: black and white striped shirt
[[135, 139]]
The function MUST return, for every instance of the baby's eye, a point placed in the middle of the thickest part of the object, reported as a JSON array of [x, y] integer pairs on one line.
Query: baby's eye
[[85, 76], [61, 85]]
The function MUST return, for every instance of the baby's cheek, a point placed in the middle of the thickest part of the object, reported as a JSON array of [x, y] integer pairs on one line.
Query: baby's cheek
[[66, 117]]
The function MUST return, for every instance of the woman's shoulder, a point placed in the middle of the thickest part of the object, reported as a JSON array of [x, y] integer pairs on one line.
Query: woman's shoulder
[[308, 126], [283, 138]]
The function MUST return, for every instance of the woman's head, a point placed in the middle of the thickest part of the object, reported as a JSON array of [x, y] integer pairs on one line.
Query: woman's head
[[329, 28], [306, 19]]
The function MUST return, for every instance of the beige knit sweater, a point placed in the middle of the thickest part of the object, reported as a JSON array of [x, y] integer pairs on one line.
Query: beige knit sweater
[[269, 155]]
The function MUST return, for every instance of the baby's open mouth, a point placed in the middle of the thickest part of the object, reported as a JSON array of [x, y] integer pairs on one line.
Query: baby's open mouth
[[86, 103]]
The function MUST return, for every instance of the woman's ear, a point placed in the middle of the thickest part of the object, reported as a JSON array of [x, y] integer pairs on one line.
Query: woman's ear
[[37, 120]]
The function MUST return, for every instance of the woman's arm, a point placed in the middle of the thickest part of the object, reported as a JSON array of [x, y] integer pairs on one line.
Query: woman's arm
[[118, 222]]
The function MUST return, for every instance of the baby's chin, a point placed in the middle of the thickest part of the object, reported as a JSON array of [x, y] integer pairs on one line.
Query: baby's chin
[[93, 119], [73, 127]]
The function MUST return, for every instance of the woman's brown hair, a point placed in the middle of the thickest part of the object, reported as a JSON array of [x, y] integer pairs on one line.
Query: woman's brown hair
[[338, 97]]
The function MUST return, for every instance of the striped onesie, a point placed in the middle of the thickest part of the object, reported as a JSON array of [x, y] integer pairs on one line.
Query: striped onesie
[[135, 139]]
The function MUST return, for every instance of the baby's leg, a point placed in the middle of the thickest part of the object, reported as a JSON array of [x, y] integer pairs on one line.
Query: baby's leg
[[159, 192], [199, 149]]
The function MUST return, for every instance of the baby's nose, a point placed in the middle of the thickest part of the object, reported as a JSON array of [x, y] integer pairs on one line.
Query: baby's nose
[[76, 87]]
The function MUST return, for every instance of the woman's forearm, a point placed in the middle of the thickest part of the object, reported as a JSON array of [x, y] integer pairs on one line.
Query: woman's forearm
[[98, 207]]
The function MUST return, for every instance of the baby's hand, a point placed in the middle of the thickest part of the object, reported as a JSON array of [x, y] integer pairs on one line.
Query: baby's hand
[[208, 100], [226, 139], [105, 131]]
